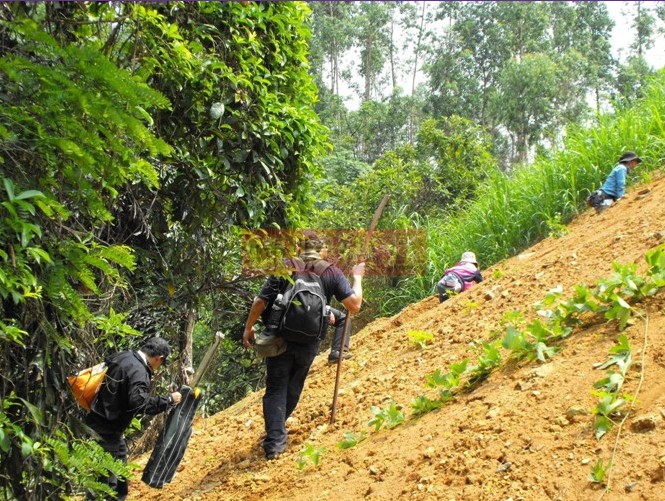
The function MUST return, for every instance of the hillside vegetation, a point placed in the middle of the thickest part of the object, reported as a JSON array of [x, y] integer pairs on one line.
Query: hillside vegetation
[[527, 431], [140, 143]]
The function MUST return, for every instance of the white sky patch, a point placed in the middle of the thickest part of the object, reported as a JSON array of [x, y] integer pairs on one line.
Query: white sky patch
[[622, 14]]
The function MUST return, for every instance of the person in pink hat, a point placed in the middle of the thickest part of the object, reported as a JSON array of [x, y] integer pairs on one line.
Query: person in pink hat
[[460, 277]]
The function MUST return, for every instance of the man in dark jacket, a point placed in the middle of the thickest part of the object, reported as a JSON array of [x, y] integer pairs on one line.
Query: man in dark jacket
[[124, 394], [286, 373]]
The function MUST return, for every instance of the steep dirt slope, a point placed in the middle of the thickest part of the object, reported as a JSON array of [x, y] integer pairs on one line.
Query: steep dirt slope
[[524, 434]]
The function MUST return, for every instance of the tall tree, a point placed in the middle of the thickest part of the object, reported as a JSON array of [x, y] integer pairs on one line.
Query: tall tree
[[479, 38], [643, 26], [525, 99], [592, 33], [373, 40], [524, 27], [151, 134], [331, 30]]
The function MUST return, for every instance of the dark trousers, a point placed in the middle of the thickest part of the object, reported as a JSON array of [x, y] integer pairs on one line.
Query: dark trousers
[[116, 447], [286, 375], [340, 319], [444, 292]]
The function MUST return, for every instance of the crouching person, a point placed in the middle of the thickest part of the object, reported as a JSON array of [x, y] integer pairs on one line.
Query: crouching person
[[615, 184], [460, 277], [125, 393]]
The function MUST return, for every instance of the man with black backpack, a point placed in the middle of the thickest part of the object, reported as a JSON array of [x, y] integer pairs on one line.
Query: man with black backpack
[[297, 310]]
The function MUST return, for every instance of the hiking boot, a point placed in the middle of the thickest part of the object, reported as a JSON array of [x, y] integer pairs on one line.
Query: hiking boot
[[334, 356], [273, 455]]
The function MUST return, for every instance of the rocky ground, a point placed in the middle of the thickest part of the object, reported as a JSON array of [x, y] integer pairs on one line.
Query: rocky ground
[[523, 434]]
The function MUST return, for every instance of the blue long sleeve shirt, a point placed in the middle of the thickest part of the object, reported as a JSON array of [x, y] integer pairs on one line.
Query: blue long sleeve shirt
[[615, 184]]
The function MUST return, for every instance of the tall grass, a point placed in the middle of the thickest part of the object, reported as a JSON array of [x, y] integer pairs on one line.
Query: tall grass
[[514, 211]]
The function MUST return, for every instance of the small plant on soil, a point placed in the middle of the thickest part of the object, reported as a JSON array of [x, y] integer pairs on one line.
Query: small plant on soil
[[599, 472], [310, 455], [422, 405], [391, 416], [543, 334], [620, 356], [420, 339], [469, 306], [351, 440], [489, 359], [606, 408], [497, 273], [617, 290], [656, 261], [555, 228], [451, 379]]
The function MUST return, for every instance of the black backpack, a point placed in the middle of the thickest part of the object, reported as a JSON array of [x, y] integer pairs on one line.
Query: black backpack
[[305, 314]]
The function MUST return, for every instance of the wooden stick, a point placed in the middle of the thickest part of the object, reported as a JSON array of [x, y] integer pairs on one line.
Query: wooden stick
[[347, 325]]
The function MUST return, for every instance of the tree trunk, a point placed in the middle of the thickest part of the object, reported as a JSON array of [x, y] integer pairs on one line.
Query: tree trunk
[[186, 369], [415, 72], [368, 68], [393, 74]]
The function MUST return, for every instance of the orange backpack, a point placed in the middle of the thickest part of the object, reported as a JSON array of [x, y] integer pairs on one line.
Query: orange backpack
[[86, 384]]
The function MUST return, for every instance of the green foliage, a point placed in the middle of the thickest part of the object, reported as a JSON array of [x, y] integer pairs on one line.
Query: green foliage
[[556, 229], [110, 232], [233, 374], [65, 462], [84, 462], [463, 161], [606, 408], [17, 279], [351, 440], [422, 405], [391, 416], [526, 102], [517, 343], [451, 379], [599, 471], [309, 456], [67, 149], [420, 339], [617, 290], [620, 357], [488, 360]]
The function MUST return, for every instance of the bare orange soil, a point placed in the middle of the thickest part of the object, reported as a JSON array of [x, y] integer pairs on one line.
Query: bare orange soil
[[524, 434]]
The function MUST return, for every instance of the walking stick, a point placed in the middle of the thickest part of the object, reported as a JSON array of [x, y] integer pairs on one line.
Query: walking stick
[[347, 324]]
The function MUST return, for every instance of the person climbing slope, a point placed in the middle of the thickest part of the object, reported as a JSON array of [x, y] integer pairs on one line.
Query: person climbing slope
[[460, 277]]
